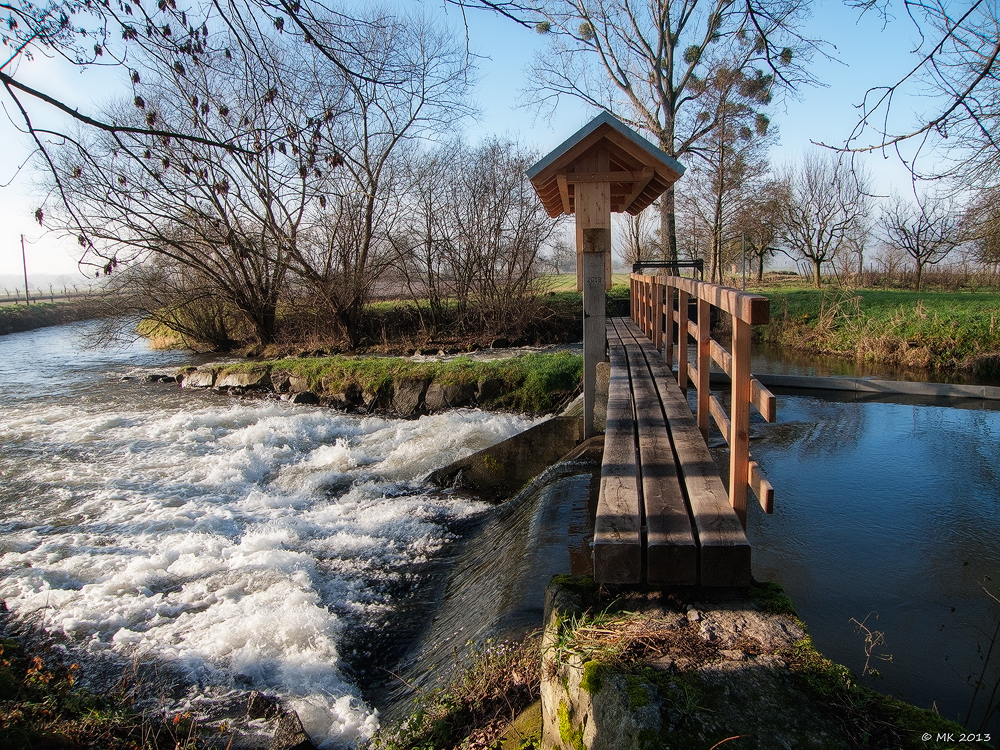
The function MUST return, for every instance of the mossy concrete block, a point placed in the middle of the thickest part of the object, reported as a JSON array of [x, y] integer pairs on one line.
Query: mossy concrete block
[[255, 379], [441, 396], [408, 397], [576, 716], [199, 379], [527, 726], [721, 672]]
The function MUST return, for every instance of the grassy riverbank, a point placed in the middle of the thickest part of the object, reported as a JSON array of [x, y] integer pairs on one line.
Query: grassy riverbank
[[17, 318], [933, 330], [537, 382], [45, 704]]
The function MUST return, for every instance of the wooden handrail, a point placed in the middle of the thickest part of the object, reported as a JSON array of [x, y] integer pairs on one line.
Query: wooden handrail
[[658, 305]]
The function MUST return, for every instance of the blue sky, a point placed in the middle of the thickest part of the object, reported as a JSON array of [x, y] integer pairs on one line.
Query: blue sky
[[865, 55]]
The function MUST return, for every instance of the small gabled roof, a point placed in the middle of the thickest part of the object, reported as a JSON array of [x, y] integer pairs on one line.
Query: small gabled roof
[[639, 171]]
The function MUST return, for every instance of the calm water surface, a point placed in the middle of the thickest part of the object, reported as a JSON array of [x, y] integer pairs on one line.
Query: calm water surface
[[888, 514]]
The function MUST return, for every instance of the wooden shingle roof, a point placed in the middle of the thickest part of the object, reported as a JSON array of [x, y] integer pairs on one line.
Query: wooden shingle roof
[[639, 171]]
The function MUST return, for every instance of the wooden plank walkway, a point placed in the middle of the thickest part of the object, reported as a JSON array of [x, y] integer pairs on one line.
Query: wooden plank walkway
[[664, 517]]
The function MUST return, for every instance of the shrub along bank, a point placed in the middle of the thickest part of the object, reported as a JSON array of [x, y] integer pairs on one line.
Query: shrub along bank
[[17, 318], [947, 331], [388, 327], [539, 382]]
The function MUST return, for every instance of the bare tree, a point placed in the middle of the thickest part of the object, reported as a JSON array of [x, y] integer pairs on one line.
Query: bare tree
[[495, 230], [757, 221], [637, 242], [228, 218], [825, 203], [956, 66], [650, 64], [561, 257], [411, 84], [926, 231], [307, 195], [733, 157], [474, 234], [982, 227]]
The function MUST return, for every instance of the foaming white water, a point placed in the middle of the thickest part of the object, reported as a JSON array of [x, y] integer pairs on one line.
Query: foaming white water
[[239, 543]]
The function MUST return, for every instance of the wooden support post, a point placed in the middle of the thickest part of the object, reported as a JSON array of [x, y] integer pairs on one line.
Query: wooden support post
[[704, 363], [657, 313], [668, 348], [593, 241], [682, 340], [593, 326], [631, 297], [739, 408]]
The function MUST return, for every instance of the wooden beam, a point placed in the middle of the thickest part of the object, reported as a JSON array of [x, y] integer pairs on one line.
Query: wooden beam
[[617, 531], [592, 206], [703, 336], [763, 400], [761, 488], [564, 193], [577, 177], [750, 308], [739, 410], [644, 179]]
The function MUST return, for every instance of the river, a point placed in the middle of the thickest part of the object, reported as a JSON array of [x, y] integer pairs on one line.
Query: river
[[242, 543], [142, 519]]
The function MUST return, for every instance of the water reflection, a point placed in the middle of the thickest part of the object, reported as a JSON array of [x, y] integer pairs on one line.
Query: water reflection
[[892, 509]]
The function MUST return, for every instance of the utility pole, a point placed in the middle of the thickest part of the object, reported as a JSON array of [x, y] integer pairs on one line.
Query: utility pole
[[24, 262]]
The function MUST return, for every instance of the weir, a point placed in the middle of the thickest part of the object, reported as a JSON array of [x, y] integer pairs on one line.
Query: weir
[[663, 516]]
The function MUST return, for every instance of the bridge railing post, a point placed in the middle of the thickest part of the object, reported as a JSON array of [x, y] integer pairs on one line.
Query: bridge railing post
[[704, 363], [655, 315], [682, 340]]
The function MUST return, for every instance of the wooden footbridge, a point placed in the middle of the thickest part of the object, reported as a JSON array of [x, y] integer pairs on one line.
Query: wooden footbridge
[[664, 516]]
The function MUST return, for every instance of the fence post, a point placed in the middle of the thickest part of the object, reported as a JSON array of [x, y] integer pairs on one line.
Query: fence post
[[668, 346], [657, 313], [682, 340], [704, 362], [739, 439], [631, 297]]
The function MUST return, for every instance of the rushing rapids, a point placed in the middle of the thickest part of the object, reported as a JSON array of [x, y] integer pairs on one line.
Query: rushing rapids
[[240, 542]]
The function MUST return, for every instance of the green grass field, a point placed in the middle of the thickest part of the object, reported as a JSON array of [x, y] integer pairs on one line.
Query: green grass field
[[943, 330]]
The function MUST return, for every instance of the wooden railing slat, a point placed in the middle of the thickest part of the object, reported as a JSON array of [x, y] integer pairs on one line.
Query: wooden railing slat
[[720, 417], [763, 400], [721, 357], [761, 487]]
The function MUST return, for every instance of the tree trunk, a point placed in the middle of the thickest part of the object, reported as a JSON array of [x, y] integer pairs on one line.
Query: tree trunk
[[817, 272], [668, 211]]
